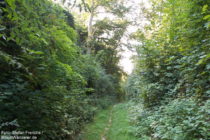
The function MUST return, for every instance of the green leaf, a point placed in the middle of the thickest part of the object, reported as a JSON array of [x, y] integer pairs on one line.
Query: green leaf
[[207, 25], [207, 17], [2, 28], [8, 93], [208, 66], [205, 8]]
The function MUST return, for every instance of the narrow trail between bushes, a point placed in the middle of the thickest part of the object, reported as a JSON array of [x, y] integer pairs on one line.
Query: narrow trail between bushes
[[110, 124], [103, 136]]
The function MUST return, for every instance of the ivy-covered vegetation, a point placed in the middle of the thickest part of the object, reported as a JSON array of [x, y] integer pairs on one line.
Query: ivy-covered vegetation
[[171, 80]]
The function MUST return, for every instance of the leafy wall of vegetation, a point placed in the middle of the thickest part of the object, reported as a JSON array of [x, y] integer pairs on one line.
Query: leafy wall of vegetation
[[172, 76], [46, 84]]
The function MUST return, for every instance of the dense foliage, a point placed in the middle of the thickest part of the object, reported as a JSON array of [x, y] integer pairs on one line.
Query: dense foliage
[[56, 73], [46, 83], [172, 78], [181, 119]]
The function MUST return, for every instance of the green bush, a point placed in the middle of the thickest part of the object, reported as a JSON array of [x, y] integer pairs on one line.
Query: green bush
[[46, 84], [181, 119]]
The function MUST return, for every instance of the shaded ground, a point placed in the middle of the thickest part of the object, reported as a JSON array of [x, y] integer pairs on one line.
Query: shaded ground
[[110, 124]]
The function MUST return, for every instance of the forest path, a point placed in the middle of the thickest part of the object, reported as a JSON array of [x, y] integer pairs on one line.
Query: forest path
[[103, 136], [110, 124]]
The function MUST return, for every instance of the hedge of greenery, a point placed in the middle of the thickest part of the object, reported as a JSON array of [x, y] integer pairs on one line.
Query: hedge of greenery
[[171, 79], [46, 84]]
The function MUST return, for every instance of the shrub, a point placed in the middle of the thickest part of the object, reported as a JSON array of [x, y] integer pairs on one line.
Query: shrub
[[182, 119]]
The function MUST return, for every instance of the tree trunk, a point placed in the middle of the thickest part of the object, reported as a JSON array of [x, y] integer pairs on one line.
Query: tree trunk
[[90, 27]]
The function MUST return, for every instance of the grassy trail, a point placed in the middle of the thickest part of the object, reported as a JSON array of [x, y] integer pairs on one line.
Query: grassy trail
[[110, 124]]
